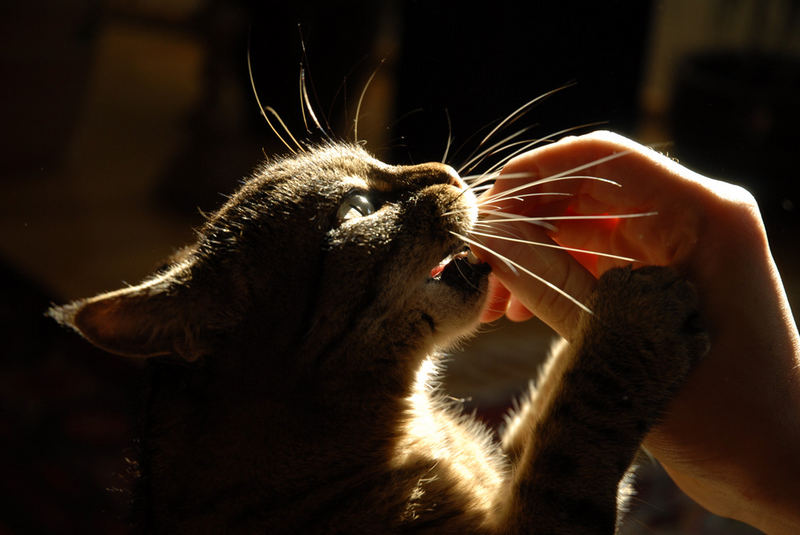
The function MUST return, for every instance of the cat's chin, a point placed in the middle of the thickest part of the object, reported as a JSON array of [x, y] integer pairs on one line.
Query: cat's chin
[[455, 292]]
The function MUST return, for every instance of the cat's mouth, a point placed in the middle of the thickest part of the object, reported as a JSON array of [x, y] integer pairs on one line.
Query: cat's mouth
[[460, 268]]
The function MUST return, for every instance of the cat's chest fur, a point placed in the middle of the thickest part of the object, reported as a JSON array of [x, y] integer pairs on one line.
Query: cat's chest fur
[[303, 327]]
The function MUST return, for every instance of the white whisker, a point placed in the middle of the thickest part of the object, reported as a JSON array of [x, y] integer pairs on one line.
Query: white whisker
[[308, 106], [361, 99], [508, 193], [512, 232], [478, 158], [302, 101], [575, 177], [507, 158], [495, 198], [516, 217], [510, 262], [271, 110], [519, 111], [471, 178], [555, 246], [590, 164], [507, 176], [564, 175], [546, 139], [483, 205], [304, 66], [544, 194], [508, 218], [277, 117], [494, 174], [482, 187], [475, 181]]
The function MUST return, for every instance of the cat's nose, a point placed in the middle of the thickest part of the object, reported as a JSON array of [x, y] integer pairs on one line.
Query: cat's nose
[[430, 173]]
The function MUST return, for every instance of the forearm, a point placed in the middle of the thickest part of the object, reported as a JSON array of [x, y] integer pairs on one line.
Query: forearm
[[768, 496], [733, 439]]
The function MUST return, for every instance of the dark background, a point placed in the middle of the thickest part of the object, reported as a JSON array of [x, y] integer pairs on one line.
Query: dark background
[[120, 119]]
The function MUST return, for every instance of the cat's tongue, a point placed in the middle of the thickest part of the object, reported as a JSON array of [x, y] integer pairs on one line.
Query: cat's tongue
[[435, 272], [464, 255]]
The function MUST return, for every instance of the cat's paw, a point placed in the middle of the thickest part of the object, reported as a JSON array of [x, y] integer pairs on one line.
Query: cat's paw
[[650, 314]]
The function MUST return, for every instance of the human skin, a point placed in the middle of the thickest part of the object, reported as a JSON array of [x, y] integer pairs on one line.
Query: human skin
[[731, 438]]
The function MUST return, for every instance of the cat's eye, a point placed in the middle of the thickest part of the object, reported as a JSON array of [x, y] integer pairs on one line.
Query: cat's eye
[[354, 205]]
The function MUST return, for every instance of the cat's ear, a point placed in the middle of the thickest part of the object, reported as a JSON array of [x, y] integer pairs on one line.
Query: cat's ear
[[151, 319]]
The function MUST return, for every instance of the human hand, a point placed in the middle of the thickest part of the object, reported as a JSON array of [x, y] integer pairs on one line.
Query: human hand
[[730, 439]]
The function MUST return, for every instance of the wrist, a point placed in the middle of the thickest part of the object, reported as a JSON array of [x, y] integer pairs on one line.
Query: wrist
[[761, 504]]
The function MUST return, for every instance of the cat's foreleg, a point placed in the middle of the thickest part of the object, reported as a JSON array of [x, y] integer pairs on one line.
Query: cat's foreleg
[[597, 400], [520, 423]]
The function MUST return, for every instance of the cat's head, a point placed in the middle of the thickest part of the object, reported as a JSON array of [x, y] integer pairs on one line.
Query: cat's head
[[326, 255]]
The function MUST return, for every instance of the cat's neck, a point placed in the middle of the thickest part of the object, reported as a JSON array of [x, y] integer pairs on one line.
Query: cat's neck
[[232, 449]]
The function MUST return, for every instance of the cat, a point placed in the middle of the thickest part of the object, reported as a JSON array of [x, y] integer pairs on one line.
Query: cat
[[294, 353]]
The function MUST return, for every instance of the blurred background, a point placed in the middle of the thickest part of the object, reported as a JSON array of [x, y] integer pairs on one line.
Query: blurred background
[[123, 119]]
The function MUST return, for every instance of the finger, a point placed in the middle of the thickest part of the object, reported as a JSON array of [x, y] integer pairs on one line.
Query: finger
[[516, 311], [546, 281], [497, 301]]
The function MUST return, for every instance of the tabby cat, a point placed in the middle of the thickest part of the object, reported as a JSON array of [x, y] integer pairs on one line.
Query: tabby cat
[[294, 356]]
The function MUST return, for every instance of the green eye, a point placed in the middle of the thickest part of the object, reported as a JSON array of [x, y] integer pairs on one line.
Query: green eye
[[355, 205]]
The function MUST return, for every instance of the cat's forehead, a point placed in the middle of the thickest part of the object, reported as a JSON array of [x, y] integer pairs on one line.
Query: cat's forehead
[[356, 182], [331, 167], [354, 166], [335, 168]]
